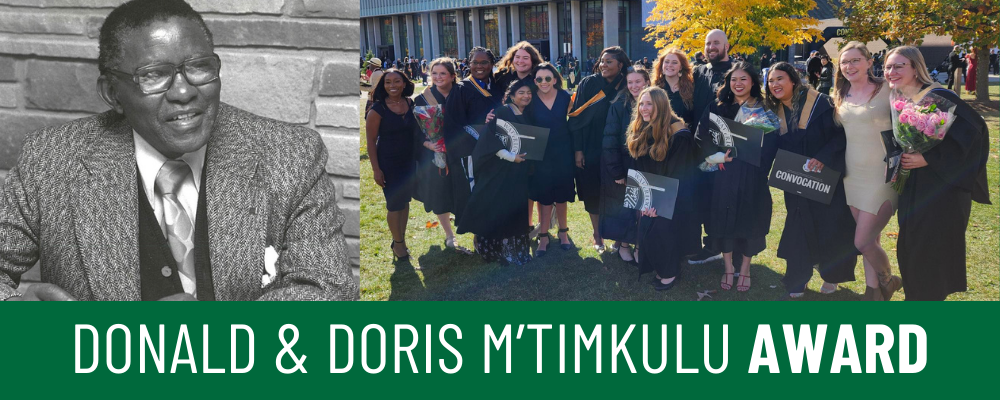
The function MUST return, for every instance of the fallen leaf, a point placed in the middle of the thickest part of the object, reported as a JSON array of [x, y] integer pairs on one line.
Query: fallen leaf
[[892, 234], [432, 224], [707, 293]]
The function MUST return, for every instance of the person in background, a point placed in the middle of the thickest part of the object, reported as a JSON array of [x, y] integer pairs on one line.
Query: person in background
[[936, 201], [617, 222], [825, 75], [374, 76], [552, 183], [434, 187], [813, 68], [815, 234], [586, 123], [955, 63], [862, 103], [390, 127], [970, 74], [661, 144], [699, 59], [740, 216], [673, 74]]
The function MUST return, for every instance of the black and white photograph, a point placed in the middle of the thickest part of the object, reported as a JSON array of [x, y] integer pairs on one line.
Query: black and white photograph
[[178, 150]]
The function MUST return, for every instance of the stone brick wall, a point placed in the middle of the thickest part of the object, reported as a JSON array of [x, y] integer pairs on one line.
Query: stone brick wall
[[292, 60]]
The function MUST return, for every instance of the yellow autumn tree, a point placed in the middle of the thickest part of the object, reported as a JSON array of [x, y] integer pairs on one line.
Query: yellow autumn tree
[[748, 24]]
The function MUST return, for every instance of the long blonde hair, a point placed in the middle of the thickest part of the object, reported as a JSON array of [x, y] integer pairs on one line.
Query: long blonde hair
[[686, 83], [916, 59], [843, 86], [658, 128]]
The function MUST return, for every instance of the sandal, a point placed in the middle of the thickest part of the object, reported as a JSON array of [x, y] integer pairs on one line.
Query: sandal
[[625, 252], [727, 280], [449, 242], [598, 246], [740, 286], [547, 237], [565, 246], [895, 283], [404, 257]]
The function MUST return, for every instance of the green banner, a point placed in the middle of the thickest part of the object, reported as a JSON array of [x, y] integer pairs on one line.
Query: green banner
[[936, 349]]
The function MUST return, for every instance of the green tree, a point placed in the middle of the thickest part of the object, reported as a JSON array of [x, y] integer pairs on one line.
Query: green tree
[[748, 24], [972, 22]]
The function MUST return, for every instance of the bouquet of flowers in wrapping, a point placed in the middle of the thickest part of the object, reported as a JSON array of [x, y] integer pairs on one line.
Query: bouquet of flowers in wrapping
[[918, 126], [431, 120], [758, 117]]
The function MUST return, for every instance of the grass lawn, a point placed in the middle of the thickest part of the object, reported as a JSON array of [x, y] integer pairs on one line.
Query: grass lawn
[[437, 273]]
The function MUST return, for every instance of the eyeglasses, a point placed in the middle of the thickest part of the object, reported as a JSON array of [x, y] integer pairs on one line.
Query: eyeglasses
[[544, 79], [157, 78], [854, 62], [891, 67]]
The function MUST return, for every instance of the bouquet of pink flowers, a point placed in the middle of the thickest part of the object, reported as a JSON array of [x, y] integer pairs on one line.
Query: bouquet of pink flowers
[[431, 119], [918, 126]]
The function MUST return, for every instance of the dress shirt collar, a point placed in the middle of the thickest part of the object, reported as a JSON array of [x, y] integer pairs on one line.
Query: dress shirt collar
[[149, 161]]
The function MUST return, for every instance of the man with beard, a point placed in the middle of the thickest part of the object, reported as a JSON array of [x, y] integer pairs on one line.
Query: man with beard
[[707, 79]]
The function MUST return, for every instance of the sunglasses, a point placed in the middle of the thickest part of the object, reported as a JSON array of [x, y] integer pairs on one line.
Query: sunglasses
[[545, 79]]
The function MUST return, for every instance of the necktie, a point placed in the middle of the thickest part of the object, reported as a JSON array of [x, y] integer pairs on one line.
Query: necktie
[[178, 226]]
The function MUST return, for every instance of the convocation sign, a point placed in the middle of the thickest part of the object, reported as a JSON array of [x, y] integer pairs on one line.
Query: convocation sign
[[789, 174], [644, 190]]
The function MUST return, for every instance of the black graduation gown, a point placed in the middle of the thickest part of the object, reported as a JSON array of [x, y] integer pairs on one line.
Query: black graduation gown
[[679, 108], [707, 79], [465, 106], [740, 207], [816, 233], [664, 242], [433, 183], [587, 129], [935, 205], [617, 222]]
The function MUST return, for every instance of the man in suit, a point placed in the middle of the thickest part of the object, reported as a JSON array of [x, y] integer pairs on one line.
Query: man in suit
[[171, 195], [954, 63]]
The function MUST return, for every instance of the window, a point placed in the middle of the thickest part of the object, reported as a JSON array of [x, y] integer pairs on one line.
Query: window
[[624, 29], [468, 31], [534, 22], [449, 34], [490, 32], [403, 37], [418, 33], [565, 29], [592, 31], [386, 27]]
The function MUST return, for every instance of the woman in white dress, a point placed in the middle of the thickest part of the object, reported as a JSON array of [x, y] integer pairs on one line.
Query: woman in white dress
[[862, 102]]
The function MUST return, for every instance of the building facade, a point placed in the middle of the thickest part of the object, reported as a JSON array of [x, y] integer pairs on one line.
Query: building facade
[[395, 29]]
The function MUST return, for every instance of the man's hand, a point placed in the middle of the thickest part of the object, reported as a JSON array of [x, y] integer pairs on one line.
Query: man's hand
[[579, 159], [44, 292], [179, 297]]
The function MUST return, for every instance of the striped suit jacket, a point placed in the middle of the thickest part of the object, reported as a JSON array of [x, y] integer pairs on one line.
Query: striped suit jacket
[[71, 203]]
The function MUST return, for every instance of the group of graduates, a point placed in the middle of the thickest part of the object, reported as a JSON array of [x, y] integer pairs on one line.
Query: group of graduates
[[625, 117]]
